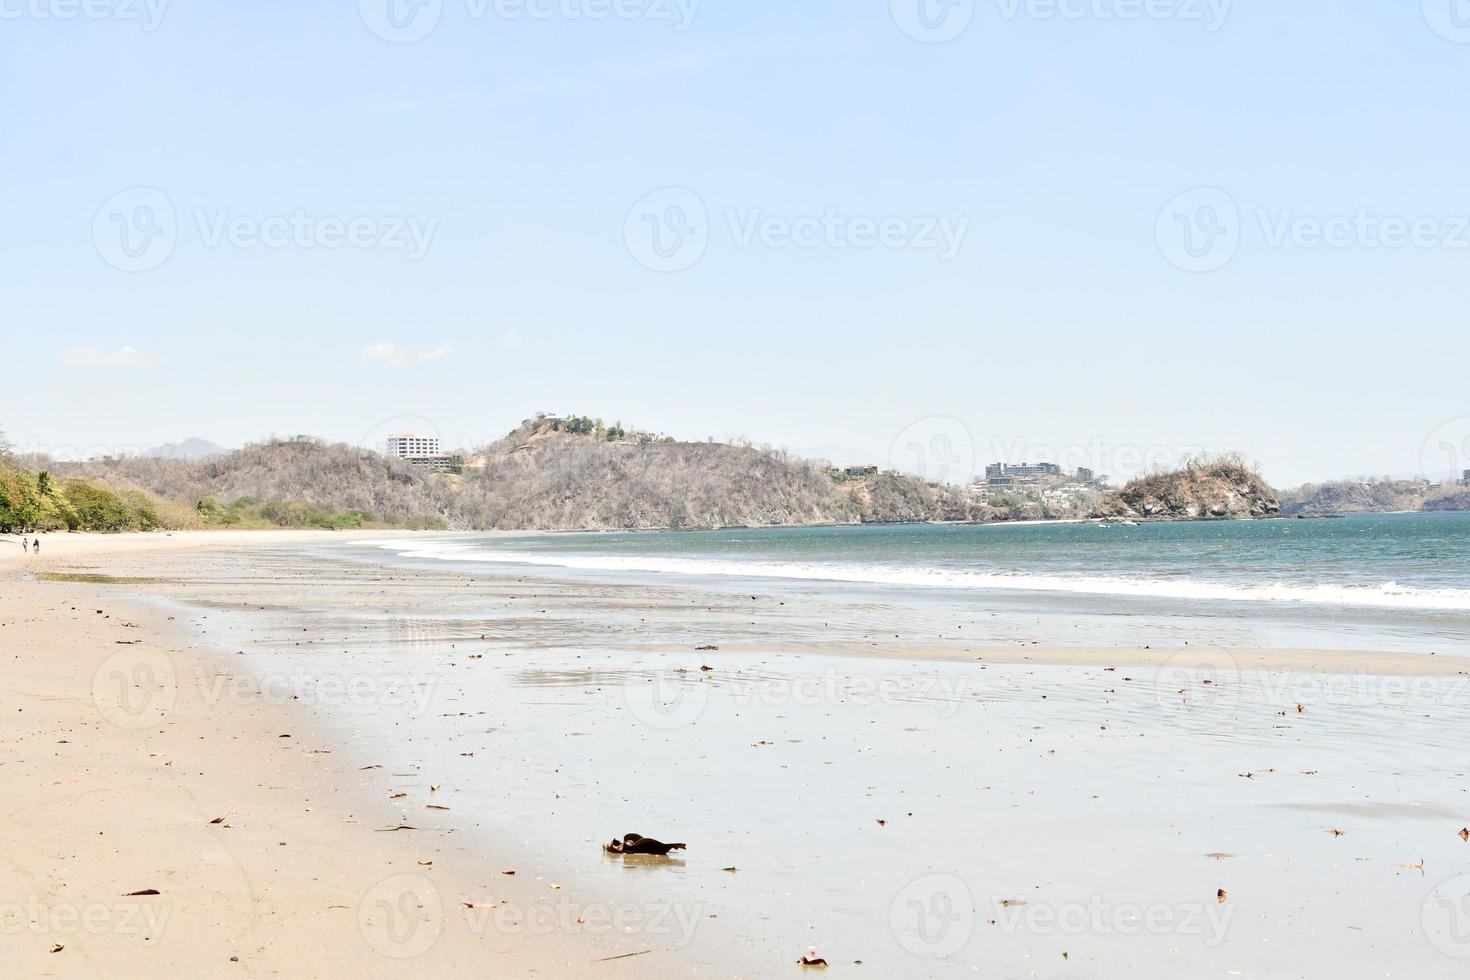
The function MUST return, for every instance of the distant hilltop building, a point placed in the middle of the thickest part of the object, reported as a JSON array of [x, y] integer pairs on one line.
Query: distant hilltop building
[[422, 452], [407, 445], [866, 470], [1029, 471], [1042, 484]]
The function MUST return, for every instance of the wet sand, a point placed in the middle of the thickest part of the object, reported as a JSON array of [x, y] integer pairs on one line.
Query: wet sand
[[926, 808]]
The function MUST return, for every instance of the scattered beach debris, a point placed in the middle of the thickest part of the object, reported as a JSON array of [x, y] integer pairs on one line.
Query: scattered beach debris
[[389, 830], [882, 822], [1220, 896], [57, 947], [622, 956], [638, 844], [1219, 856], [731, 868], [143, 891], [1414, 867], [507, 872], [1335, 832], [1465, 834], [811, 958], [707, 648]]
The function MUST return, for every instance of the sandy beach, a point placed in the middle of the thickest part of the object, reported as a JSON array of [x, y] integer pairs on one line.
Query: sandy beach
[[326, 767], [268, 853]]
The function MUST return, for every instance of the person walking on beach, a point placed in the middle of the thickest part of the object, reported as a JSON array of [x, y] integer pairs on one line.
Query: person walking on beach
[[36, 546], [25, 543]]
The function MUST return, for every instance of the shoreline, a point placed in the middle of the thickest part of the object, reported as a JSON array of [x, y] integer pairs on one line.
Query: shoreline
[[128, 771], [515, 670]]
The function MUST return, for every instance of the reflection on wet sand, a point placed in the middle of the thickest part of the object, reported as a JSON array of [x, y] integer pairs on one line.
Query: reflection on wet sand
[[927, 816]]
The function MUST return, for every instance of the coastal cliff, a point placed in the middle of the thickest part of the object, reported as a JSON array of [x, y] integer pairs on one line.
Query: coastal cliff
[[1220, 489]]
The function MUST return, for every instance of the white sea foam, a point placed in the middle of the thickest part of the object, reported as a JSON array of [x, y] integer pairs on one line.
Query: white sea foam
[[1382, 595]]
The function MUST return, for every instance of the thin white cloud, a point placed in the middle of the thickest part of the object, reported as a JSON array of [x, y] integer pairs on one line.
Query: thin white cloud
[[512, 338], [392, 354], [99, 356]]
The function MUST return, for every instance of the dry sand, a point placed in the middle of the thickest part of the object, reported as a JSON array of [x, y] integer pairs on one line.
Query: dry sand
[[114, 778]]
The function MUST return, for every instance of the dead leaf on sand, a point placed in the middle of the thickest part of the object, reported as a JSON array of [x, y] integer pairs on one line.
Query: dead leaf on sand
[[217, 820], [145, 891], [1465, 834], [1220, 896], [57, 947]]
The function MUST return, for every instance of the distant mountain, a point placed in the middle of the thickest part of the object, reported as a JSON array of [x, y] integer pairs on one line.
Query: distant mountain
[[1373, 497], [191, 448], [552, 474], [1218, 489], [576, 473]]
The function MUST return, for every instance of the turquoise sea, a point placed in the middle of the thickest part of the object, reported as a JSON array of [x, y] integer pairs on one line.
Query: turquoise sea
[[1400, 578]]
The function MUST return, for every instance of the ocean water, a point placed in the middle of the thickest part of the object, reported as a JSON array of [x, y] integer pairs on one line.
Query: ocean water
[[1389, 581], [1404, 561]]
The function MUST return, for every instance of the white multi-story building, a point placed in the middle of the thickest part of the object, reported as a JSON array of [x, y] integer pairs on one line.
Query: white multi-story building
[[407, 445]]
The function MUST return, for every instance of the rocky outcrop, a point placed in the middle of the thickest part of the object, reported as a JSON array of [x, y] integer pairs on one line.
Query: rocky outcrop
[[1224, 489]]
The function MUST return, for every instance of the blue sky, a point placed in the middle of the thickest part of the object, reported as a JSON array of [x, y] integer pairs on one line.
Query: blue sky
[[991, 246]]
